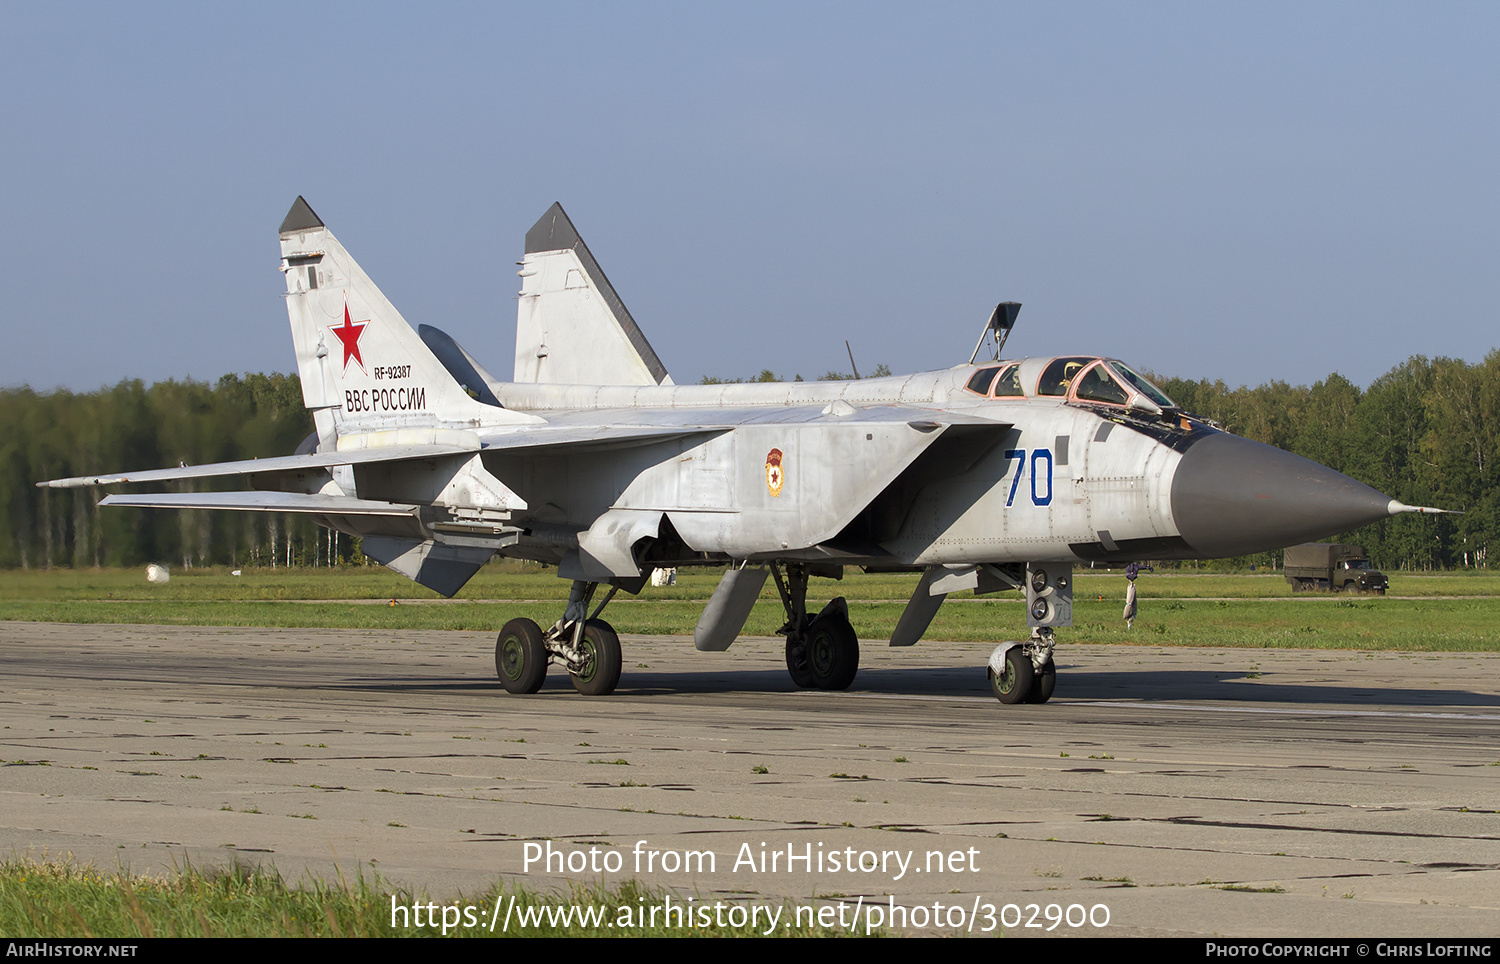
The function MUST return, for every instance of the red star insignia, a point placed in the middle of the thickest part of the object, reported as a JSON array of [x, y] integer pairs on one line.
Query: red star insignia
[[349, 333]]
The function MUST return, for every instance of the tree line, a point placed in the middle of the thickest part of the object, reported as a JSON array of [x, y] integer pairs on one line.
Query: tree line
[[131, 427], [1426, 432]]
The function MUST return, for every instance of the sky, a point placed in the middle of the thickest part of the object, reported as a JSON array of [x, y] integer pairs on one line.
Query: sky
[[1246, 192]]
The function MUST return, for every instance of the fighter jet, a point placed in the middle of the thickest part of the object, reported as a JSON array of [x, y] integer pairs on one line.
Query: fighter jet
[[991, 476]]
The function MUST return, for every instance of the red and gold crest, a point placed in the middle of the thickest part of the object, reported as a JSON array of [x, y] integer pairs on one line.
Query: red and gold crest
[[774, 475]]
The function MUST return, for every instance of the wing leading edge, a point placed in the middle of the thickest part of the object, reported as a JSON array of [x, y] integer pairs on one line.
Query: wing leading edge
[[350, 453], [300, 502]]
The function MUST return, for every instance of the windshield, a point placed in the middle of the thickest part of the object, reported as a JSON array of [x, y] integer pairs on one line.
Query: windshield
[[1141, 384]]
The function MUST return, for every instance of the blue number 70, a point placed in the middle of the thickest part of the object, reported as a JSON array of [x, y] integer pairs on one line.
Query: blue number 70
[[1020, 456]]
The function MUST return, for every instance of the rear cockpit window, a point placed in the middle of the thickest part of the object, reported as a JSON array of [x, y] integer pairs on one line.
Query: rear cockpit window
[[1096, 385], [980, 383], [1059, 375], [1009, 382]]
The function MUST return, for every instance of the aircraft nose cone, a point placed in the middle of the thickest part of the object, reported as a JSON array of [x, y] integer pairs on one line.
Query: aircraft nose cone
[[1232, 497]]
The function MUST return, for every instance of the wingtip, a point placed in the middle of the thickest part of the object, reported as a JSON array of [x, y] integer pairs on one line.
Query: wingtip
[[300, 218]]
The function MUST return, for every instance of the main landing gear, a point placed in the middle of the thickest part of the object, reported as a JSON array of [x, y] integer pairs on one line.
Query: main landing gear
[[589, 648], [822, 651], [1024, 672]]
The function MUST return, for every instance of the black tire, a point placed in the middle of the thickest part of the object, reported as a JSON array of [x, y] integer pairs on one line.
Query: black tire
[[602, 660], [1043, 682], [520, 657], [796, 664], [1015, 684], [832, 652]]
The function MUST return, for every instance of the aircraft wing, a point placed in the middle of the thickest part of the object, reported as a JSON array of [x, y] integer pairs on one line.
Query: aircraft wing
[[543, 436], [795, 477], [262, 502], [596, 428]]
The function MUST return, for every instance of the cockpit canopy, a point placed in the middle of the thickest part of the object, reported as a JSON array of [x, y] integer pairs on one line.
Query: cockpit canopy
[[1079, 378]]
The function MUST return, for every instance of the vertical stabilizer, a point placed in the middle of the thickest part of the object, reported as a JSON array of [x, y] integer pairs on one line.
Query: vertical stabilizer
[[571, 326], [360, 362]]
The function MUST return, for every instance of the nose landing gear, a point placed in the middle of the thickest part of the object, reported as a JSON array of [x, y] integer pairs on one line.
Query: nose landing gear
[[1024, 672]]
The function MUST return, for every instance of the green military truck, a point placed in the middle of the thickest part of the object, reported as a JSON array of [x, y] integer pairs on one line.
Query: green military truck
[[1331, 567]]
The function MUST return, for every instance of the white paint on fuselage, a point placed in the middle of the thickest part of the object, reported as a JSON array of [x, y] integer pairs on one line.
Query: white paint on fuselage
[[928, 389], [1002, 509], [1115, 489]]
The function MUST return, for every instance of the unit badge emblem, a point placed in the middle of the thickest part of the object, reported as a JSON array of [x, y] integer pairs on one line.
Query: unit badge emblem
[[774, 474]]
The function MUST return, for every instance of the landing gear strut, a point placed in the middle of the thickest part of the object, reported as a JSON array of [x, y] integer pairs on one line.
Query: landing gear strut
[[588, 647], [822, 652]]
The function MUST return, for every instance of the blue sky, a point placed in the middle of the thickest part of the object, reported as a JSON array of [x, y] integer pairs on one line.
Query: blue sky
[[1247, 192]]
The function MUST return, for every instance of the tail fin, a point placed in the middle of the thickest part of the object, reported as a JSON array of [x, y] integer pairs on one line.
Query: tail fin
[[359, 360], [571, 327]]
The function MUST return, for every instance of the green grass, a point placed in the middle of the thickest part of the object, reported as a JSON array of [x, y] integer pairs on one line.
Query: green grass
[[52, 899], [1256, 611], [518, 581]]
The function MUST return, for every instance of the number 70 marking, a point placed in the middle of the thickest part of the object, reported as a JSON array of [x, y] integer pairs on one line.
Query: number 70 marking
[[1037, 455]]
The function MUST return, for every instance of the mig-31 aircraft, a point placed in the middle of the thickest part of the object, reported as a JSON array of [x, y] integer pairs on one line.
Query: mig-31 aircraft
[[990, 476]]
